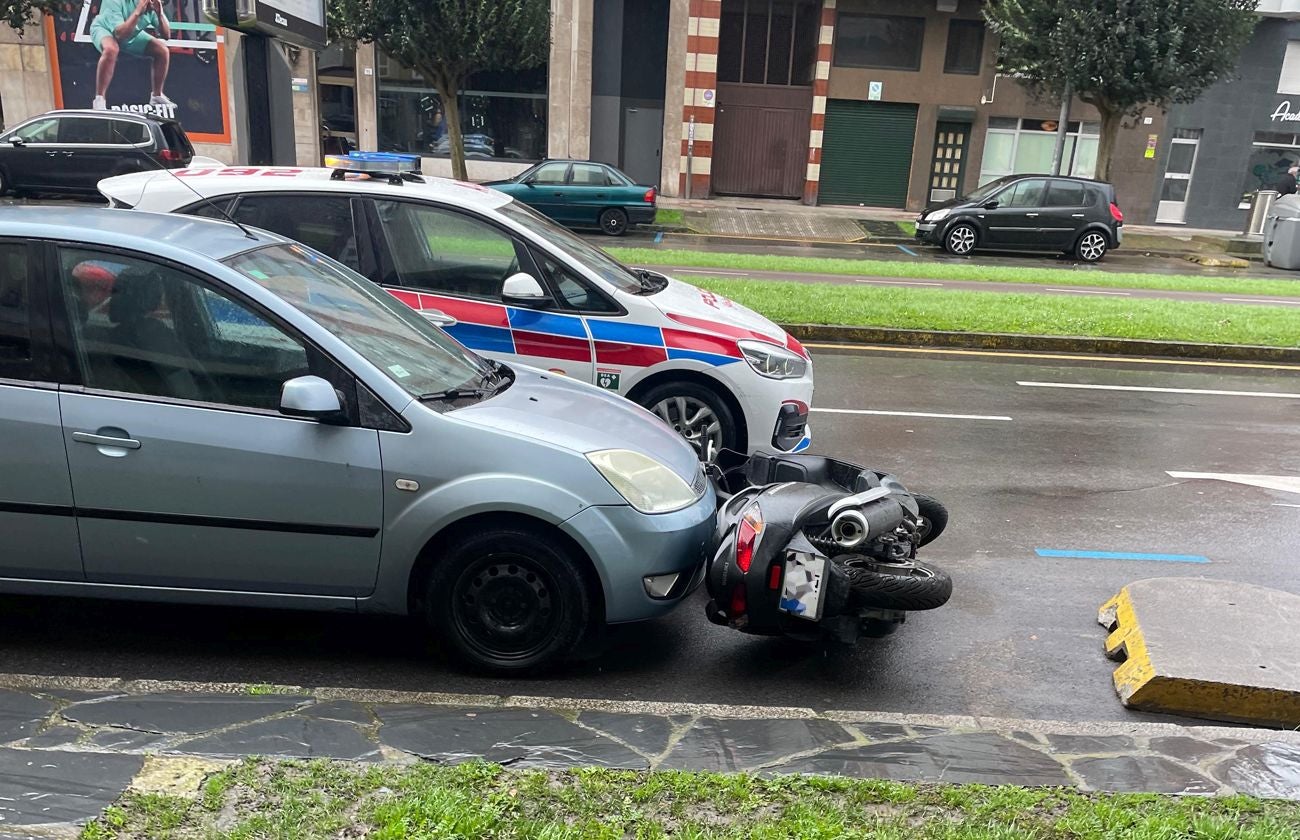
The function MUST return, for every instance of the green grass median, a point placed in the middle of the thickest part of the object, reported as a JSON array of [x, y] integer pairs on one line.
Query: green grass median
[[1046, 275], [322, 799], [1030, 314]]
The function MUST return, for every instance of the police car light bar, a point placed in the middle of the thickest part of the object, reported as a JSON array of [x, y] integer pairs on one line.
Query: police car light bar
[[387, 164]]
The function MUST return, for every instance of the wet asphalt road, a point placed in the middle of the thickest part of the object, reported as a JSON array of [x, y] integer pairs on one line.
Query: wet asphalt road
[[1071, 469]]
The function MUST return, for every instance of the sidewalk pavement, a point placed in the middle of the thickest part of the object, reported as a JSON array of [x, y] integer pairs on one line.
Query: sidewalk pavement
[[756, 218], [69, 747]]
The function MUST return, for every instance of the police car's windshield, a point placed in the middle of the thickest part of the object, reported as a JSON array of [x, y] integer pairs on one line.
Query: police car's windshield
[[389, 334], [609, 269]]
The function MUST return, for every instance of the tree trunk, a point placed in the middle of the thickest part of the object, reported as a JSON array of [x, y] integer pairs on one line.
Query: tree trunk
[[1110, 120], [448, 94]]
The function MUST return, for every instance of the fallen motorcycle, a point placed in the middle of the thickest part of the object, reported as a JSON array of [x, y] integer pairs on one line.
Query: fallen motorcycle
[[811, 547]]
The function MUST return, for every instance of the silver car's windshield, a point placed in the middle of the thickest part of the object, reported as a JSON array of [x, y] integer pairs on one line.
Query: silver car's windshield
[[389, 334], [609, 269]]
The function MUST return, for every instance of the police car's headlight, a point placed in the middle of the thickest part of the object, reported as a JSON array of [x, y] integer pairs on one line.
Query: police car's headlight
[[937, 215], [772, 361], [648, 485]]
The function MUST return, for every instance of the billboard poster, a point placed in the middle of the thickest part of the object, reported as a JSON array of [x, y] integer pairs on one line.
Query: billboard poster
[[150, 56]]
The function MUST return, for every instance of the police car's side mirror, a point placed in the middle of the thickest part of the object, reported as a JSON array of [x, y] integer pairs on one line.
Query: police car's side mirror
[[522, 289]]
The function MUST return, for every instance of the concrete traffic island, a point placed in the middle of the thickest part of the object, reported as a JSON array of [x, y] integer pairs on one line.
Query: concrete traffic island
[[1207, 649]]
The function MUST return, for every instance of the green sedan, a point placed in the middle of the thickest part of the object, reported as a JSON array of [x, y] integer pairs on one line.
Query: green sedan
[[580, 193]]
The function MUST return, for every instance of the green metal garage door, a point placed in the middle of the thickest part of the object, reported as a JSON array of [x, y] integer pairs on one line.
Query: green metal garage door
[[867, 153]]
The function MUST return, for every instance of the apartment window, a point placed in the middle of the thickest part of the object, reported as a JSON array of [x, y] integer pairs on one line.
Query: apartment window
[[883, 42], [1289, 81], [1013, 146], [965, 47], [767, 42]]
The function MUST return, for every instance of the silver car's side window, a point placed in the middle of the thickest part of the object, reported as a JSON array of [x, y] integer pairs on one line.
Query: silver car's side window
[[145, 328]]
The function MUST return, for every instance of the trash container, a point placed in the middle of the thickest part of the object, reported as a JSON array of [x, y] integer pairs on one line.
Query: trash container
[[1260, 203], [1279, 230]]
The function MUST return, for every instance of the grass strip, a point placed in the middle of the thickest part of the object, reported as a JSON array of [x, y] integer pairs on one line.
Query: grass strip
[[261, 798], [951, 270], [669, 218], [1030, 314]]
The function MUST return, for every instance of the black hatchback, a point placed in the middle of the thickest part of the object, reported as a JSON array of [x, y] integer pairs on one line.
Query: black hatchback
[[1076, 216], [70, 152]]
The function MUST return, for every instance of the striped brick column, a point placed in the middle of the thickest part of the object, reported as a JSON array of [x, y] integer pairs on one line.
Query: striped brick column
[[701, 75], [821, 85]]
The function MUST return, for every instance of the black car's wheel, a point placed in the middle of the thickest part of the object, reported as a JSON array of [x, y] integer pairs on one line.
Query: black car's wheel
[[508, 600], [613, 222], [697, 413], [1091, 246], [960, 239]]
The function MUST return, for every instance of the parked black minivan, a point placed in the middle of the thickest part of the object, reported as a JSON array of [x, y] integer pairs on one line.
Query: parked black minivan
[[1076, 216], [70, 152]]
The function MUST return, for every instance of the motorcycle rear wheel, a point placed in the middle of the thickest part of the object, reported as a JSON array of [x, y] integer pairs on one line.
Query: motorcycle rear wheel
[[896, 586]]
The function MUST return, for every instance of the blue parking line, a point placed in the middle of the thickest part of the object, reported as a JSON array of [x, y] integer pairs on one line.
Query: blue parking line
[[1121, 555], [905, 249], [659, 237]]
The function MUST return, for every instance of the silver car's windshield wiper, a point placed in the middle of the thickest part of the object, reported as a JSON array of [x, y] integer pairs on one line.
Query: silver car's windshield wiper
[[450, 394]]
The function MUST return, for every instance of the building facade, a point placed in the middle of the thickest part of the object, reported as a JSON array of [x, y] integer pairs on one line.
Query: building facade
[[1240, 136]]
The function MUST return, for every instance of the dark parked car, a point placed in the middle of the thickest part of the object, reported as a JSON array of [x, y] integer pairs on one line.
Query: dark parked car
[[1075, 216], [580, 193], [70, 152]]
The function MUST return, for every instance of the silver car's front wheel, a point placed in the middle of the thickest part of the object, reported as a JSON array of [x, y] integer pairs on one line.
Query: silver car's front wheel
[[696, 413]]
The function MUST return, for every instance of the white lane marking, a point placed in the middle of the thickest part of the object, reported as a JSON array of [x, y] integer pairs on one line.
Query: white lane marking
[[1089, 292], [894, 282], [1204, 391], [1284, 483], [1263, 300], [709, 272], [910, 414]]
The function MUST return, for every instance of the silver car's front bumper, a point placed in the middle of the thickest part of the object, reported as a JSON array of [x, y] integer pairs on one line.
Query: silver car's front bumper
[[627, 547]]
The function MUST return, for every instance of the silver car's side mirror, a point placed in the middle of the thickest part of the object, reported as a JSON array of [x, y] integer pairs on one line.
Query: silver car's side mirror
[[523, 289], [311, 398], [438, 318]]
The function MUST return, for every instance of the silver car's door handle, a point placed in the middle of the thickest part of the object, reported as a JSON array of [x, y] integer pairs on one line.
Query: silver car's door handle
[[105, 440]]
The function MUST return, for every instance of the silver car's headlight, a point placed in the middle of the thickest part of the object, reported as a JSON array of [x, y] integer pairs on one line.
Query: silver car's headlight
[[648, 485], [772, 361], [938, 215]]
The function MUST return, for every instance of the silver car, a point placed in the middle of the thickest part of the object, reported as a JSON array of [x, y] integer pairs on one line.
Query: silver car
[[192, 413]]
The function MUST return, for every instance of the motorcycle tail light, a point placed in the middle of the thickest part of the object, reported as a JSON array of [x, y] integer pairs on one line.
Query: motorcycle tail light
[[774, 577], [751, 525], [737, 606]]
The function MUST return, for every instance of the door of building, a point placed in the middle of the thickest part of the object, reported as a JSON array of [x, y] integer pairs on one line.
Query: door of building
[[950, 142], [643, 131], [867, 153], [760, 140], [1178, 176]]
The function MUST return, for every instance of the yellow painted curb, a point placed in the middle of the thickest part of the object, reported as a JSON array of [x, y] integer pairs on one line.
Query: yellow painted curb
[[1142, 684], [1218, 262]]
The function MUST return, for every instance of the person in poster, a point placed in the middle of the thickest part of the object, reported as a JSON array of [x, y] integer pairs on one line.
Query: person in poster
[[138, 28]]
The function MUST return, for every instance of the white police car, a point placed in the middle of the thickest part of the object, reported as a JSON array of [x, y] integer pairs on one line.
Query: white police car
[[515, 286]]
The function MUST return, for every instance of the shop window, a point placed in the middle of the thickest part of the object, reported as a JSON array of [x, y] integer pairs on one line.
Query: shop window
[[502, 114], [767, 42], [1273, 153], [884, 42], [1013, 146], [965, 47], [1289, 80]]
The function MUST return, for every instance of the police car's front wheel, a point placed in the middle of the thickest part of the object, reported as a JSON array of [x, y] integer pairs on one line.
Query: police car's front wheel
[[697, 414]]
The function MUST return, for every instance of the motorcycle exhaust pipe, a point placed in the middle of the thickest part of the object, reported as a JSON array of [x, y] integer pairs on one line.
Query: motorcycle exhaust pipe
[[854, 526]]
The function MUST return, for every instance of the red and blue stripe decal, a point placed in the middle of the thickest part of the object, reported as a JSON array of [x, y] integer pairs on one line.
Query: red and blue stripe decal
[[495, 328]]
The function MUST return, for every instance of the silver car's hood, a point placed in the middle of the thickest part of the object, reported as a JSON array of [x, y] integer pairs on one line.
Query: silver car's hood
[[555, 409]]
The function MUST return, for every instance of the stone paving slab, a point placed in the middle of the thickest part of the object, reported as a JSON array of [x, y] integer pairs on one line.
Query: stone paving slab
[[1206, 648], [86, 751], [776, 225]]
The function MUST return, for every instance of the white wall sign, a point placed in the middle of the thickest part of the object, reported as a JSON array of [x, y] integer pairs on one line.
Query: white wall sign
[[875, 90], [1283, 113]]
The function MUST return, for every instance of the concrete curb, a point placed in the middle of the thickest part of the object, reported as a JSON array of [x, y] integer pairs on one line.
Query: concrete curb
[[831, 333]]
